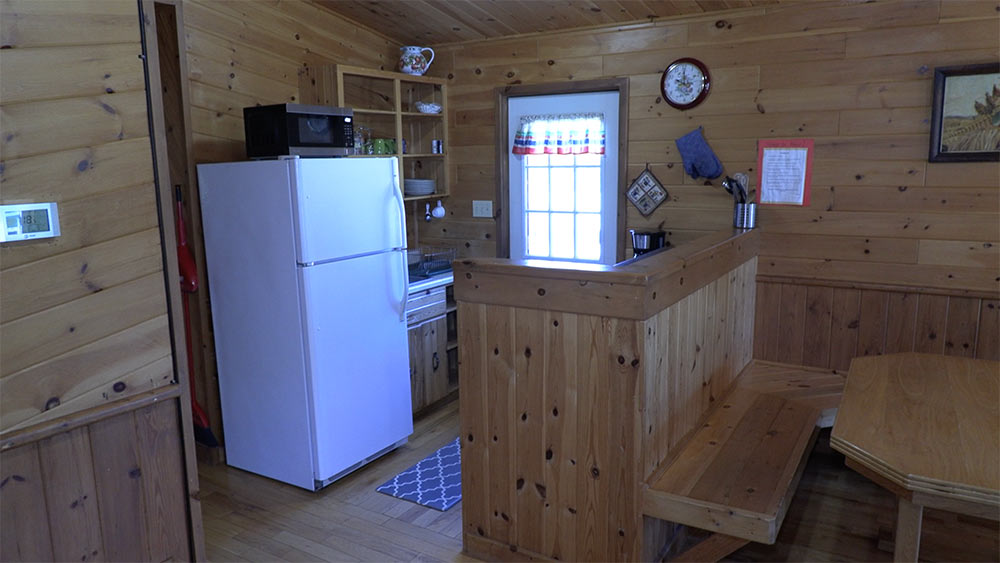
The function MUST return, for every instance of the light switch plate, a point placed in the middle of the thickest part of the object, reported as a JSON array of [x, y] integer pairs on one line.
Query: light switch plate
[[482, 208]]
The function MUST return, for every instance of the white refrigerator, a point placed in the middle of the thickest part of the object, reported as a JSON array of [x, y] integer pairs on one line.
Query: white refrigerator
[[308, 281]]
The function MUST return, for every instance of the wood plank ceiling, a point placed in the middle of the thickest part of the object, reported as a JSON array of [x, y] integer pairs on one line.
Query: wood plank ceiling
[[433, 22]]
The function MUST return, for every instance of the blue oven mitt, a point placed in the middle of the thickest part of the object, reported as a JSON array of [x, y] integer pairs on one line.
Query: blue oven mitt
[[699, 160]]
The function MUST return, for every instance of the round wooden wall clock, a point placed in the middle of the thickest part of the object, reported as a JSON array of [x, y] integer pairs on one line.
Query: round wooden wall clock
[[685, 83]]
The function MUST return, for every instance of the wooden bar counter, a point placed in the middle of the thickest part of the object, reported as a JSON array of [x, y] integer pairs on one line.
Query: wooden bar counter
[[577, 382]]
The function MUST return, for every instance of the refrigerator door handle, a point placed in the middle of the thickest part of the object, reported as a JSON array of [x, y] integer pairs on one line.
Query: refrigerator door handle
[[404, 300], [397, 193]]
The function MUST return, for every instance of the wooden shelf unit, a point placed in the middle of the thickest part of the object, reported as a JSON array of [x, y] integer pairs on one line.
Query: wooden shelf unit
[[385, 103]]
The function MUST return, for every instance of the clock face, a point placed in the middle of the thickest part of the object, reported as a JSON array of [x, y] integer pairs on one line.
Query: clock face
[[685, 83]]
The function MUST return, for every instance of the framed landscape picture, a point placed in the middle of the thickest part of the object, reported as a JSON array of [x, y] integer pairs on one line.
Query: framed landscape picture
[[965, 124]]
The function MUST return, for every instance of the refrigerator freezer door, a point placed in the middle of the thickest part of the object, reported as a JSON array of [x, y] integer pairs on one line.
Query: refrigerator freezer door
[[358, 356], [347, 207]]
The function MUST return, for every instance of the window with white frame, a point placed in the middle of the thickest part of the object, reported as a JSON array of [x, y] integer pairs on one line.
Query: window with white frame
[[563, 177], [562, 205]]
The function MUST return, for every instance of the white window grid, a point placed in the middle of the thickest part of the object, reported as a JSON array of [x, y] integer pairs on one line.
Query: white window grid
[[553, 163]]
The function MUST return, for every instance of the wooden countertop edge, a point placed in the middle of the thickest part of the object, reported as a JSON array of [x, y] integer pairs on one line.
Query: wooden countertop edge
[[635, 291]]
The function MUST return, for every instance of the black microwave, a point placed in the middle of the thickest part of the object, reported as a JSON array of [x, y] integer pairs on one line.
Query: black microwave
[[296, 129]]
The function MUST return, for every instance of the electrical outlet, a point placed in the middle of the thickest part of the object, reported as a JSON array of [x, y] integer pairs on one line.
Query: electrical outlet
[[482, 208]]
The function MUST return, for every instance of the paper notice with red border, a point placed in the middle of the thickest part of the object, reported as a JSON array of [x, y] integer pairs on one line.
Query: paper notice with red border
[[784, 171]]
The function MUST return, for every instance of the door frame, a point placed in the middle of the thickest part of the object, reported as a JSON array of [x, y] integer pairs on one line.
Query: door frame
[[168, 232], [503, 153]]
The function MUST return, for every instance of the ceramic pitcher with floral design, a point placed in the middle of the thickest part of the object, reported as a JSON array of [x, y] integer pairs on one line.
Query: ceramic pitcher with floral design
[[413, 61]]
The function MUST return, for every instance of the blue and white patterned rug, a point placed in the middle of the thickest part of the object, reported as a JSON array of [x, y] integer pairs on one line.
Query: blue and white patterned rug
[[436, 481]]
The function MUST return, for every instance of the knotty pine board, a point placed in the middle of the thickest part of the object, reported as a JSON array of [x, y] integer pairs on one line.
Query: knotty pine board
[[116, 165], [27, 23], [83, 313], [99, 491], [843, 322]]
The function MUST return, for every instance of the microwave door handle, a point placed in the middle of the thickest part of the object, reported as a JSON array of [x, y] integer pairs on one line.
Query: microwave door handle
[[404, 264]]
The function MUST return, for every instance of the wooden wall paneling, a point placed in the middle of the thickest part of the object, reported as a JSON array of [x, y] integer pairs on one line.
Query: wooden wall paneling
[[76, 130], [818, 326], [35, 338], [938, 226], [791, 328], [882, 199], [25, 534], [785, 22], [44, 284], [474, 422], [722, 371], [40, 392], [698, 350], [42, 24], [973, 174], [119, 475], [241, 55], [623, 381], [932, 318], [71, 496], [767, 321], [735, 309], [95, 71], [709, 352], [501, 389], [52, 125], [560, 414], [673, 406], [975, 254], [161, 459], [816, 47], [77, 173], [901, 322], [861, 249], [834, 172], [134, 208], [747, 305], [967, 9], [872, 323], [655, 435], [592, 424], [916, 199], [917, 39], [530, 485], [863, 70], [915, 277], [960, 331], [844, 322], [988, 337]]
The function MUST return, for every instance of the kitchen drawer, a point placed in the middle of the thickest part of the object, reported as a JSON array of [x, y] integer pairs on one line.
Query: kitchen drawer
[[424, 305]]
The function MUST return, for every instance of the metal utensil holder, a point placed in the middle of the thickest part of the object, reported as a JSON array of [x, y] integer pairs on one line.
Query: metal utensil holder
[[745, 215]]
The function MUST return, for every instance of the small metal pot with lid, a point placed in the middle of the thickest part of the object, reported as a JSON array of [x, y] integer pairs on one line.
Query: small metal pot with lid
[[645, 241]]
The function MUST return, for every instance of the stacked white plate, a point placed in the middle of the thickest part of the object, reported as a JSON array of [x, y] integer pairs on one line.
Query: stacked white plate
[[417, 186]]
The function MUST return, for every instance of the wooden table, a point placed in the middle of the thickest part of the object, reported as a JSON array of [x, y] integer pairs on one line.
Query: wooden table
[[926, 427]]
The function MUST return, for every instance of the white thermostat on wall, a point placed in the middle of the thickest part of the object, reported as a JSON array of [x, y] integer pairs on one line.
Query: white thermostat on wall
[[26, 221]]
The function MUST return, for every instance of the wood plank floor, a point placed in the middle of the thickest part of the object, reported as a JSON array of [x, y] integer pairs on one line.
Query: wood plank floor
[[836, 515]]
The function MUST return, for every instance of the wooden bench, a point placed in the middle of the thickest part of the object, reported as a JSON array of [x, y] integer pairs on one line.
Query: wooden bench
[[736, 475]]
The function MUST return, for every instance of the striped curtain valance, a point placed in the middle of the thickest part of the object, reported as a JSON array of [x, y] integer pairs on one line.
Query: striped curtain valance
[[572, 133]]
